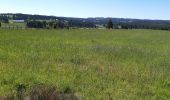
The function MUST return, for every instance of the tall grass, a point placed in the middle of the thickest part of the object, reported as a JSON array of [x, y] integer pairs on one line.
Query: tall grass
[[95, 64]]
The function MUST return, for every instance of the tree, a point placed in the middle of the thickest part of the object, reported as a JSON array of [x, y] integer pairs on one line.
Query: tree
[[44, 23], [0, 24], [5, 20], [50, 25], [36, 24], [110, 24]]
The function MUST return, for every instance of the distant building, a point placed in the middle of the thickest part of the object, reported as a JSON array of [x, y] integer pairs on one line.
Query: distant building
[[18, 21]]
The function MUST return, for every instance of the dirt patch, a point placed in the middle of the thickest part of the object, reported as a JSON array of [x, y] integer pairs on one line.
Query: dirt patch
[[42, 93]]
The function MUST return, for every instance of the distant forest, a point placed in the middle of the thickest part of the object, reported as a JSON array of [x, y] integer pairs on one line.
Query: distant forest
[[43, 21]]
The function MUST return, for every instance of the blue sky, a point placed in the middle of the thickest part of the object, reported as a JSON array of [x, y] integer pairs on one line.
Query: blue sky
[[143, 9]]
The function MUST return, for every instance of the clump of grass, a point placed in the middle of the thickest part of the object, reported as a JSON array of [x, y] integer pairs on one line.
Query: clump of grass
[[8, 97], [41, 92], [20, 91], [50, 93], [78, 60]]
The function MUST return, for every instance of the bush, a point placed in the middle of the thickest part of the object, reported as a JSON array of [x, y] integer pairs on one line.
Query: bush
[[36, 24]]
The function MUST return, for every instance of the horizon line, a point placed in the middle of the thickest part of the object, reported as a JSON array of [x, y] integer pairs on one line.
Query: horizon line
[[87, 17]]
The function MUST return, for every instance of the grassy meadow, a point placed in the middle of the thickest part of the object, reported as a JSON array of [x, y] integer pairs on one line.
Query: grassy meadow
[[95, 64], [14, 24]]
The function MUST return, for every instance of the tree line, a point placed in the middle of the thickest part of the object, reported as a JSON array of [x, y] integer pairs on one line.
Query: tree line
[[59, 24], [47, 25], [42, 21], [138, 25]]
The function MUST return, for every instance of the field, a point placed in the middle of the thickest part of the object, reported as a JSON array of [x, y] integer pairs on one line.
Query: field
[[13, 24], [95, 64]]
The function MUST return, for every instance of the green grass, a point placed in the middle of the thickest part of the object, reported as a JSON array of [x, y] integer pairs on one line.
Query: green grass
[[13, 24], [96, 64]]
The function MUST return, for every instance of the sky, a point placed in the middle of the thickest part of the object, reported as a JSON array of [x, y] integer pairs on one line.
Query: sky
[[141, 9]]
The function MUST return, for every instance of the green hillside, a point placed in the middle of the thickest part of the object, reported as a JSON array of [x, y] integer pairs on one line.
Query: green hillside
[[95, 64]]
